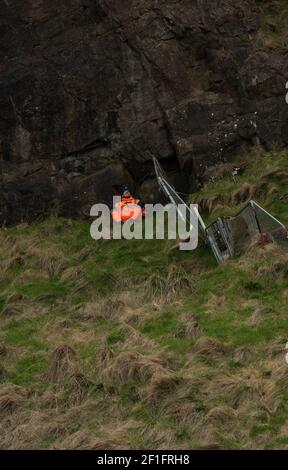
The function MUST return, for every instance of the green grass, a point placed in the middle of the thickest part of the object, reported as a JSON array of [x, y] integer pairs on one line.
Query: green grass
[[164, 328], [177, 394], [256, 167], [26, 334], [273, 24], [28, 369], [51, 289]]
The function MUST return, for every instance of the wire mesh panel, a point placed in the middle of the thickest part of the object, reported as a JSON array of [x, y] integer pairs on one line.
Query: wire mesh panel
[[228, 236], [231, 236], [270, 225], [253, 220], [242, 228], [190, 216], [216, 242]]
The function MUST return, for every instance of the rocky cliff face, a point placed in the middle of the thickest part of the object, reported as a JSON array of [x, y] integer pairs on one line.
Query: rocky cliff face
[[91, 89]]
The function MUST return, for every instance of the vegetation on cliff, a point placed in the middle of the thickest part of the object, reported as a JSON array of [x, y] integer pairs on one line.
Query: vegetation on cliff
[[134, 344]]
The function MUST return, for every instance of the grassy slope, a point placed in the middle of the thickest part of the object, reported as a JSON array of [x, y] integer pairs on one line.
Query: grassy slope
[[273, 24], [133, 344]]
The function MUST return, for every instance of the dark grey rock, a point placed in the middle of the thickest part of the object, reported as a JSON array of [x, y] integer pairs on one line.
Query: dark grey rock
[[85, 86]]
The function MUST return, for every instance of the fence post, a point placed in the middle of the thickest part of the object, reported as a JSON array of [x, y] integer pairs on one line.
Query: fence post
[[255, 215]]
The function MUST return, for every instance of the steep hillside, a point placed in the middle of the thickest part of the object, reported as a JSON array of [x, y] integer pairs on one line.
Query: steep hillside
[[134, 344]]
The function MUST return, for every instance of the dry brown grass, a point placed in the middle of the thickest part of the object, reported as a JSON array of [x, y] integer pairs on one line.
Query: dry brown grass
[[276, 173], [195, 398], [63, 363], [107, 308], [126, 306], [11, 261], [222, 414], [215, 304], [166, 289], [273, 190], [259, 315], [77, 334], [157, 438], [79, 286], [276, 265], [19, 306], [209, 204], [51, 263], [3, 350], [128, 366], [277, 347], [210, 347], [221, 169], [248, 386], [243, 354], [161, 385], [209, 438], [109, 438], [184, 411], [3, 373], [11, 397], [105, 356], [65, 370], [31, 253], [243, 194], [189, 327], [25, 427], [141, 312], [72, 273], [265, 260]]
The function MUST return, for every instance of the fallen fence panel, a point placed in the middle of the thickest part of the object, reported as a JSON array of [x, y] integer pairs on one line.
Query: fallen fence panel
[[228, 236]]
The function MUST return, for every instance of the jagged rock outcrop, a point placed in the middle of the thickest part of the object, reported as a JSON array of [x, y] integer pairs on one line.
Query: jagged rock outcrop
[[89, 90]]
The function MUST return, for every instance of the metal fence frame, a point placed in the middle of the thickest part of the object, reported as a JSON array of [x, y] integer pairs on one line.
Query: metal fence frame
[[258, 221], [219, 234]]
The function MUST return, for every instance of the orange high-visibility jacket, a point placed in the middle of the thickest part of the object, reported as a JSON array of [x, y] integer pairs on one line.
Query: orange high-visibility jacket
[[125, 201], [120, 214]]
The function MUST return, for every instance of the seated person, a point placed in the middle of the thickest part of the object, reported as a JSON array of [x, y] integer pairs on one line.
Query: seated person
[[128, 208]]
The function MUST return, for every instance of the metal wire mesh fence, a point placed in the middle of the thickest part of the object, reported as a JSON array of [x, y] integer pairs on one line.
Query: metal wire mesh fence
[[270, 225], [232, 235], [190, 216], [228, 236]]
